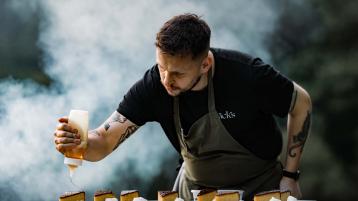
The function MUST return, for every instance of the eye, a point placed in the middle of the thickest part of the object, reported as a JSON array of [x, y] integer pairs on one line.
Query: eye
[[179, 75]]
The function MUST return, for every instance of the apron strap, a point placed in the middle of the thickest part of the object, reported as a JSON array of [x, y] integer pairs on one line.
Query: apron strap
[[211, 95], [177, 123]]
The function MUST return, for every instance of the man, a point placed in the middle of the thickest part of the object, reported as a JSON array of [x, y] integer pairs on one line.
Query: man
[[216, 107]]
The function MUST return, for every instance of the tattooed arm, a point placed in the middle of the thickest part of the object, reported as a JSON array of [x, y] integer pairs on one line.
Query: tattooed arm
[[106, 138], [298, 126]]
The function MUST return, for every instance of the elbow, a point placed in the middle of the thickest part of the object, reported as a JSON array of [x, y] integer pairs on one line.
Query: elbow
[[303, 103], [306, 101]]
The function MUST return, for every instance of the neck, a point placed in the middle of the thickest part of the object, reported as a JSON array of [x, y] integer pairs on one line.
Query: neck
[[196, 83]]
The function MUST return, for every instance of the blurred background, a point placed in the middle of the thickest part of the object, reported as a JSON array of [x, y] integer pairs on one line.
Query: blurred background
[[60, 55]]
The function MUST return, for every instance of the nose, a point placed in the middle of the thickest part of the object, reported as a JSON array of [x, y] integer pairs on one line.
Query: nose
[[167, 79]]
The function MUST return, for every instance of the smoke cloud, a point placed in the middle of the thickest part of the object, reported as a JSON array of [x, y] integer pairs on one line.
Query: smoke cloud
[[94, 51]]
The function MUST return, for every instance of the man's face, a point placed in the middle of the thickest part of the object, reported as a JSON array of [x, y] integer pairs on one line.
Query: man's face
[[178, 74]]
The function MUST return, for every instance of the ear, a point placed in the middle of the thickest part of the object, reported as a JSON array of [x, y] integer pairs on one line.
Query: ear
[[206, 64]]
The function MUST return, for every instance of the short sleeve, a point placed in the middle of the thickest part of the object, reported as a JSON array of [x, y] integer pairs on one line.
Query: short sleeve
[[134, 105], [273, 90]]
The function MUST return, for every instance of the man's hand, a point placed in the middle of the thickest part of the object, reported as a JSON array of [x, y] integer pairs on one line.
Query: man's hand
[[292, 186], [66, 138]]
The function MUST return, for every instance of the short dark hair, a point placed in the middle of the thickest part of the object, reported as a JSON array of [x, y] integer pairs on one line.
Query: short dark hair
[[184, 35]]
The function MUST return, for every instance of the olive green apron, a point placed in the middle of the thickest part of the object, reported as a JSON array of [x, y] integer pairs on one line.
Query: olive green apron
[[214, 159]]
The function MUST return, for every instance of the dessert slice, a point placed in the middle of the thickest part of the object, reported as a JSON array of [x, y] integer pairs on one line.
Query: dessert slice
[[102, 195], [206, 195], [284, 195], [129, 195], [73, 196], [267, 195], [167, 195], [228, 196]]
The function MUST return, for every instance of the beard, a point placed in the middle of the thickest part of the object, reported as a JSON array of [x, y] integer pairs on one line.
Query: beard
[[175, 91]]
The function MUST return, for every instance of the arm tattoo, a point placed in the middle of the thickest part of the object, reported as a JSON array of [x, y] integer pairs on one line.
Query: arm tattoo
[[299, 140], [95, 132], [115, 118], [293, 100], [129, 131]]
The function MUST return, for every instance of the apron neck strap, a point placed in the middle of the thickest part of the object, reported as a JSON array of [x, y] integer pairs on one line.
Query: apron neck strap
[[177, 122], [211, 96]]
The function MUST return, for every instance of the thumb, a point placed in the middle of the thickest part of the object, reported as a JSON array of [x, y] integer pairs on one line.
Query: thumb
[[63, 119]]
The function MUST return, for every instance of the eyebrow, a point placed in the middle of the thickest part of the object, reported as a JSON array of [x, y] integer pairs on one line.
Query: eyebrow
[[176, 72]]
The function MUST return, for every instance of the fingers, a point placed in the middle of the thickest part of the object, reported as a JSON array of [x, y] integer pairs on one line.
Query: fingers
[[66, 143], [63, 125], [64, 147], [66, 137], [66, 127], [63, 120], [65, 140], [61, 133]]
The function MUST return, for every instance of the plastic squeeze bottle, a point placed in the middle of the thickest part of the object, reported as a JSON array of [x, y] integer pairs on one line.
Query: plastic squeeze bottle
[[73, 158]]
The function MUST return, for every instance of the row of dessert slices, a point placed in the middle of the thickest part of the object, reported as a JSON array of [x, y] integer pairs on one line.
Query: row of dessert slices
[[214, 195], [234, 195], [131, 195], [203, 195], [100, 196]]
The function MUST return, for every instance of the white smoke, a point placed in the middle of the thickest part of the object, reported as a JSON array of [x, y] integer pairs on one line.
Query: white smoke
[[95, 50]]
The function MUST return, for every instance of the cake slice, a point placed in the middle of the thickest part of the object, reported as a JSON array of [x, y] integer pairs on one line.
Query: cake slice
[[129, 195], [102, 195], [73, 196], [167, 195], [284, 195], [267, 195], [228, 196], [206, 195]]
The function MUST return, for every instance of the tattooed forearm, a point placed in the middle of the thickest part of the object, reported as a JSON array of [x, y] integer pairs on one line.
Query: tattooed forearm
[[95, 132], [115, 118], [293, 100], [129, 131], [299, 140]]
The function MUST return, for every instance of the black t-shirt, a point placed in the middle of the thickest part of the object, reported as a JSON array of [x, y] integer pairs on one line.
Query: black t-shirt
[[247, 91]]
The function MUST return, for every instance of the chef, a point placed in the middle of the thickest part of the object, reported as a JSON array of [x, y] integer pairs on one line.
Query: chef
[[217, 108]]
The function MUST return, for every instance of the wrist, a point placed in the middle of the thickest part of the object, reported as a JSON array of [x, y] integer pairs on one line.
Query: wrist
[[292, 175]]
